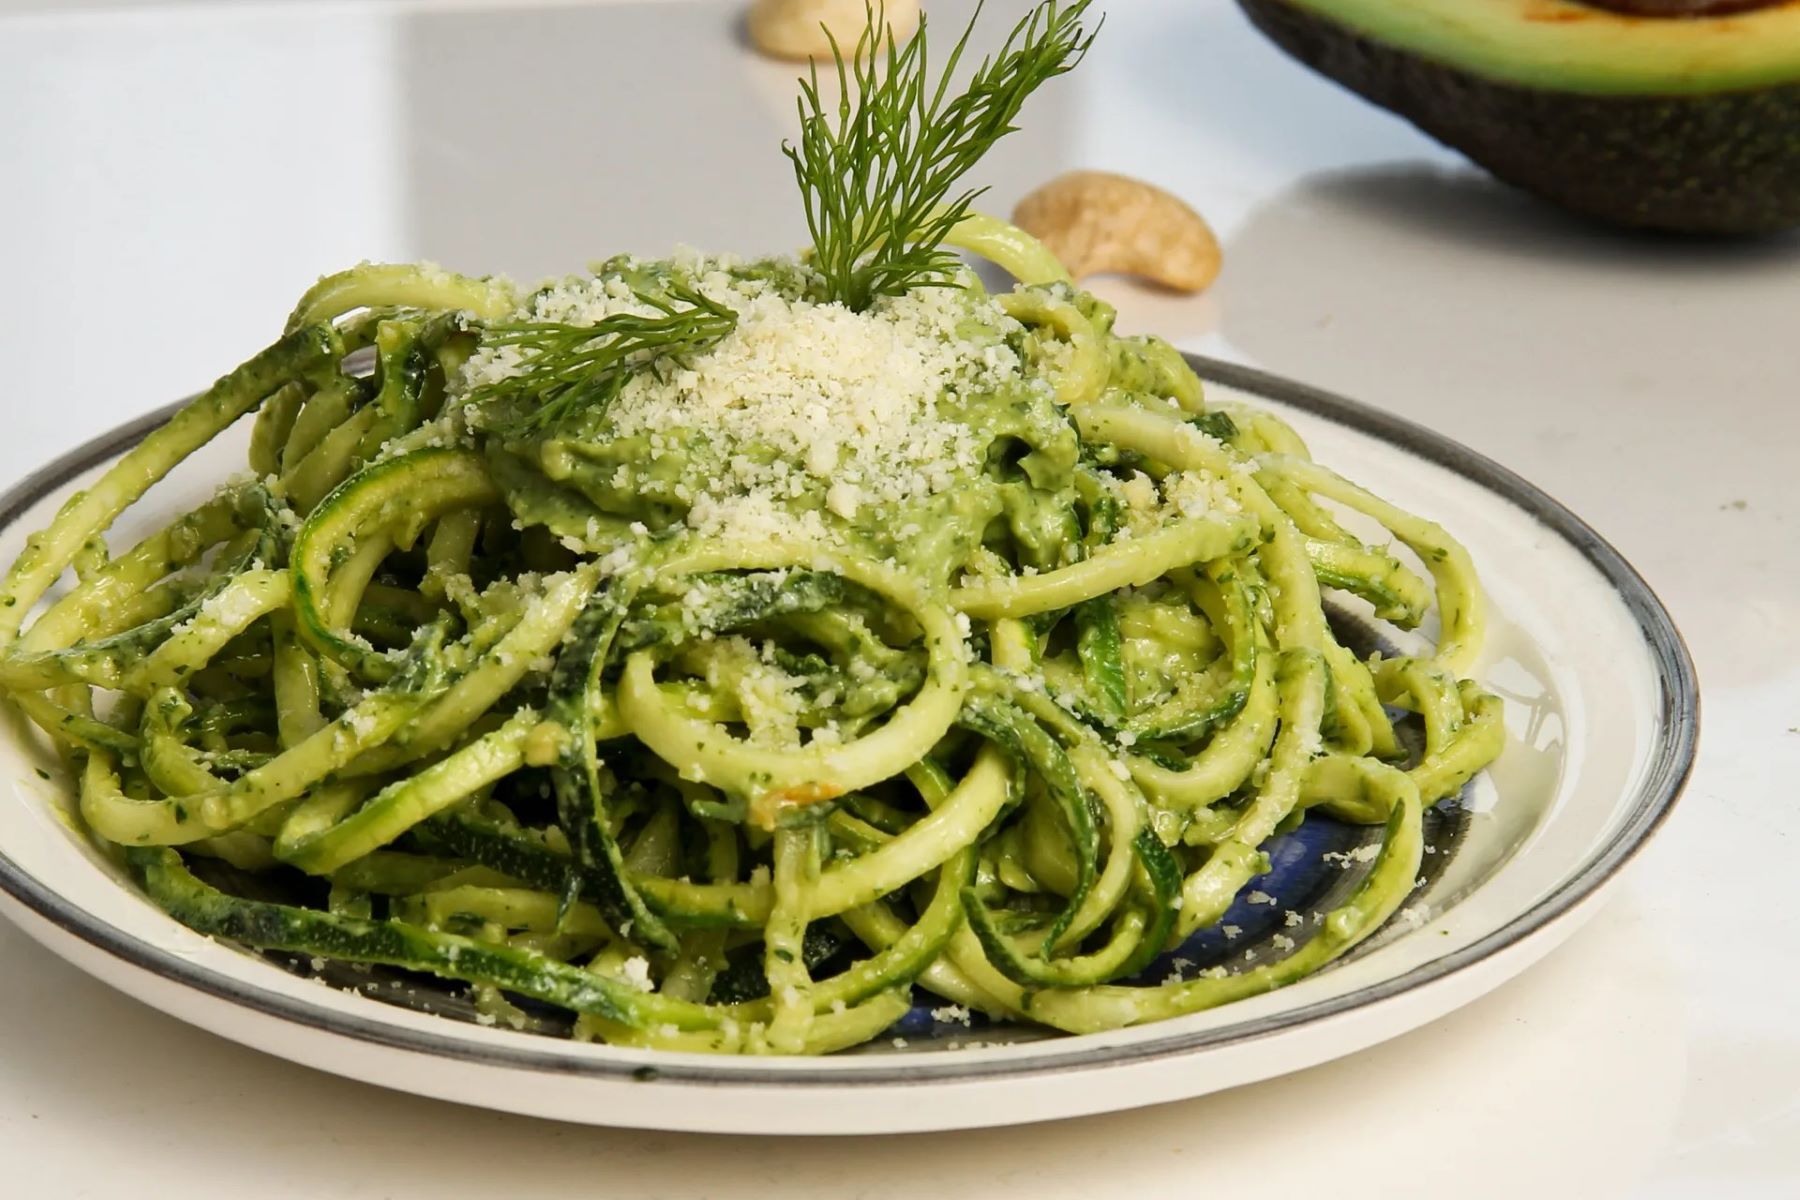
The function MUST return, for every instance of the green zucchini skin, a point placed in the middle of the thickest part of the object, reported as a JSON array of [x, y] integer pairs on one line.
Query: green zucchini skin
[[394, 943], [580, 793], [466, 835]]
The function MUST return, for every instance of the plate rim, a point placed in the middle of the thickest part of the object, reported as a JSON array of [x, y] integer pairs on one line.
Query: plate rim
[[1670, 766]]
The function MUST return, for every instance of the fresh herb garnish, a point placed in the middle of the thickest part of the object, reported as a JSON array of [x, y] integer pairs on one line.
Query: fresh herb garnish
[[875, 178], [571, 367], [875, 181]]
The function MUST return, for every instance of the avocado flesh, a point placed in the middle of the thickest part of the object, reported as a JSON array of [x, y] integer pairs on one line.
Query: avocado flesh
[[1688, 125]]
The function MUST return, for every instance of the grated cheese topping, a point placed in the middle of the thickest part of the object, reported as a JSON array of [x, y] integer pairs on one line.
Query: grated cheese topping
[[636, 971], [806, 411]]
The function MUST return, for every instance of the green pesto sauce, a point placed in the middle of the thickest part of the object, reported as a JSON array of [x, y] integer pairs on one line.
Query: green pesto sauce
[[586, 479]]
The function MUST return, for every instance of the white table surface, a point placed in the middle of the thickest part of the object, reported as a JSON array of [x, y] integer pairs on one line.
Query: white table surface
[[172, 176]]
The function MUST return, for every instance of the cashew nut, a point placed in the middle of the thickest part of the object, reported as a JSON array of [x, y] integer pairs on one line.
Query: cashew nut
[[796, 29], [1100, 223]]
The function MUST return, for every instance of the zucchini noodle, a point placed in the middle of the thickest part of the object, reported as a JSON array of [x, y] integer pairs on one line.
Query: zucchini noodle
[[738, 694]]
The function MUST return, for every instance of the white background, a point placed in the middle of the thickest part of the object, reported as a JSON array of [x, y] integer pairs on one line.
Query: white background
[[172, 176]]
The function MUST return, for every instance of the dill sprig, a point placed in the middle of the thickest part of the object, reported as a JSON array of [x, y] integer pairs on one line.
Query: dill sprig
[[574, 367], [875, 178]]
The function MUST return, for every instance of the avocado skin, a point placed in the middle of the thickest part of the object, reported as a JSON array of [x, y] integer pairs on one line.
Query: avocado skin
[[1718, 163]]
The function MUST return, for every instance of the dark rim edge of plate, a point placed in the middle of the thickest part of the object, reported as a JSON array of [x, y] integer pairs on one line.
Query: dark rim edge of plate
[[1668, 772]]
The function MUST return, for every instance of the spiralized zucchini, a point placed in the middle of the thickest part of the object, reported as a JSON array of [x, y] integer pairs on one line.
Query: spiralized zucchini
[[453, 682]]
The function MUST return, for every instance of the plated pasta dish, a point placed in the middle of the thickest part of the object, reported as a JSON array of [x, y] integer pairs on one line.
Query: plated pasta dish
[[730, 653]]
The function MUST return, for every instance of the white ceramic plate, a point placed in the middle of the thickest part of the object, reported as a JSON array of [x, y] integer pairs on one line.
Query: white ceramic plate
[[1601, 712]]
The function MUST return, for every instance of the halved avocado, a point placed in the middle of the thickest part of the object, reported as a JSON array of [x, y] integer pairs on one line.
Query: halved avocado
[[1679, 115]]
